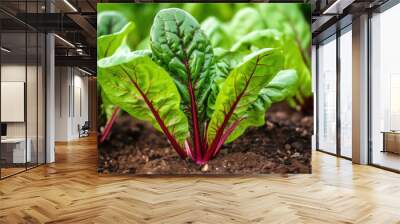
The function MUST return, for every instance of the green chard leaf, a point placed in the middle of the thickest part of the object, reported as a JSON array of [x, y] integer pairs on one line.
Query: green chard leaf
[[241, 89], [221, 70], [144, 90], [282, 86], [288, 19], [296, 61], [271, 38], [181, 47], [245, 21], [110, 22], [107, 45], [259, 39], [217, 33]]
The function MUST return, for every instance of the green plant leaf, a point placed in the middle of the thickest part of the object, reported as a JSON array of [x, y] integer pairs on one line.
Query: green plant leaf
[[296, 61], [110, 22], [181, 47], [217, 33], [107, 45], [241, 89], [221, 70], [245, 21], [288, 19], [145, 91], [281, 87], [271, 38], [267, 38]]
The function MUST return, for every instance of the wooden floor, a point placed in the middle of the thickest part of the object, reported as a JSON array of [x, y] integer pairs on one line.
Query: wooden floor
[[70, 191]]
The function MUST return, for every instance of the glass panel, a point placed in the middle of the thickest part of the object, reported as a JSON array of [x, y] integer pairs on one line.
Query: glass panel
[[327, 96], [346, 93], [31, 97], [13, 86], [41, 99], [385, 84]]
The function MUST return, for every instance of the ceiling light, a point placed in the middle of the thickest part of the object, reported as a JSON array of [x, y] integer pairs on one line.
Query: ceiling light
[[64, 40], [84, 71], [337, 7], [70, 5], [5, 50]]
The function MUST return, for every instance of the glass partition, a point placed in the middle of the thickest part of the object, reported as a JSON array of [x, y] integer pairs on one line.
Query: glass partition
[[41, 96], [32, 96], [346, 92], [14, 145], [22, 101], [327, 95]]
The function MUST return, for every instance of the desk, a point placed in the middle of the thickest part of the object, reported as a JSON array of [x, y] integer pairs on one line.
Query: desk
[[391, 141], [16, 147]]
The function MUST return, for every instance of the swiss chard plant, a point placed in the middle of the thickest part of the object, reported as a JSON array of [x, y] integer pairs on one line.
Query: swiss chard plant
[[197, 97], [268, 25]]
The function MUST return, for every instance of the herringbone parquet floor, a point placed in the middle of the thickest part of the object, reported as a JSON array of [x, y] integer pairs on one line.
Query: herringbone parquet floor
[[70, 191]]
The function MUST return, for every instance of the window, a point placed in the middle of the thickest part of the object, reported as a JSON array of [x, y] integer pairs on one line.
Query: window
[[385, 89], [327, 95], [346, 92]]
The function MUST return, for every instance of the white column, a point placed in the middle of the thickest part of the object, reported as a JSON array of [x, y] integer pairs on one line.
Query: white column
[[360, 90], [50, 100]]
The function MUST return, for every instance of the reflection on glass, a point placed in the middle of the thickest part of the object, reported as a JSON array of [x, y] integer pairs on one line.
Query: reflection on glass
[[31, 97], [15, 151], [385, 84], [346, 93], [22, 88], [41, 99], [327, 96]]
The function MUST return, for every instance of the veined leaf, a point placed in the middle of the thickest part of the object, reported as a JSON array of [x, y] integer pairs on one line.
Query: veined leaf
[[146, 91], [110, 22], [271, 38], [268, 38], [241, 89], [245, 21], [181, 47], [288, 19], [107, 45], [282, 86], [221, 70], [295, 60]]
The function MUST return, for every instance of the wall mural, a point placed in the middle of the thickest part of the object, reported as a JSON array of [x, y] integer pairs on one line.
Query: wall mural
[[204, 88]]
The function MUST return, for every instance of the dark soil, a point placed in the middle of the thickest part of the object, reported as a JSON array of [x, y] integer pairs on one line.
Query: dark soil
[[282, 145]]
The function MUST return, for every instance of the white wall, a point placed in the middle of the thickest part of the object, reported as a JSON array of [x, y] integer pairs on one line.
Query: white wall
[[12, 73], [71, 94]]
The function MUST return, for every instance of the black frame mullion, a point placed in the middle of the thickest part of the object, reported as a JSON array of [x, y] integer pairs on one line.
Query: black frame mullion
[[338, 75], [316, 97], [37, 91], [369, 100], [26, 87]]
